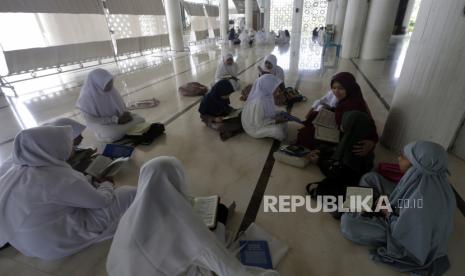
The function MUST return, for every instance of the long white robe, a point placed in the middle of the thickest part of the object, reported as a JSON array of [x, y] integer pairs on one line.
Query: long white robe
[[259, 110], [107, 129], [224, 70], [244, 38], [160, 235], [47, 209], [101, 109], [260, 38]]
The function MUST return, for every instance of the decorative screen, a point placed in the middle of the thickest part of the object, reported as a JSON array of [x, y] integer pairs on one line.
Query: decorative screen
[[314, 15]]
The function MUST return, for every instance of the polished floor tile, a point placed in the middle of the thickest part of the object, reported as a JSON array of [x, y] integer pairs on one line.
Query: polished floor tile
[[230, 169]]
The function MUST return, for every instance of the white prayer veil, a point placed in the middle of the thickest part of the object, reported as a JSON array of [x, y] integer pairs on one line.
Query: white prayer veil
[[77, 127], [273, 60], [225, 69], [161, 235], [96, 102], [262, 90], [44, 146]]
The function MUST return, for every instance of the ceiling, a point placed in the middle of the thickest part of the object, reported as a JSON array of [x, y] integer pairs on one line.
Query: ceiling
[[240, 5]]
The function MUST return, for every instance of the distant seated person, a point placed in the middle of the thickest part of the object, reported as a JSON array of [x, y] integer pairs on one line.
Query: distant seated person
[[315, 35], [228, 70], [104, 109], [322, 36], [49, 210], [77, 129], [160, 233], [232, 34], [270, 66], [287, 35], [413, 237], [260, 116], [283, 37], [215, 107], [245, 38], [260, 37], [345, 96]]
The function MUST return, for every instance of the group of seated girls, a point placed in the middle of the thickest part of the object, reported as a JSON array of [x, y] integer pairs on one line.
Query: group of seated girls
[[49, 210], [259, 117], [409, 239]]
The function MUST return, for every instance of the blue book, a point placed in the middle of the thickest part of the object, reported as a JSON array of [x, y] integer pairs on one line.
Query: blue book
[[116, 151], [255, 253], [291, 118]]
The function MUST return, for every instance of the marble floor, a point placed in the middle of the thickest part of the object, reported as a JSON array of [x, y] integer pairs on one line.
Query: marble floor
[[230, 169]]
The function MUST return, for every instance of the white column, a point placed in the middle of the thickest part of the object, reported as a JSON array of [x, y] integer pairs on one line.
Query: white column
[[354, 28], [249, 14], [429, 99], [224, 20], [297, 14], [331, 13], [173, 18], [266, 14], [339, 21], [380, 23]]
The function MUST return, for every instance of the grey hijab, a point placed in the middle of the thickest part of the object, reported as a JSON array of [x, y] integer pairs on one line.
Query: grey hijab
[[417, 238]]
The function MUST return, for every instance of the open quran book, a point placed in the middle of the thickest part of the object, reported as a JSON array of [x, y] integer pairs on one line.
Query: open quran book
[[326, 128]]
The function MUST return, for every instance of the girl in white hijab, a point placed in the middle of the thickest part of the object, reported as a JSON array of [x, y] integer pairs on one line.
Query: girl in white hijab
[[77, 128], [47, 209], [160, 235], [270, 66], [228, 69], [260, 117], [260, 37], [244, 38], [103, 107]]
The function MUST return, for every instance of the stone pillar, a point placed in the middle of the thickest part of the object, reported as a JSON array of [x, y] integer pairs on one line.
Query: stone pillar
[[354, 28], [380, 24], [339, 21], [249, 14], [297, 14], [266, 14], [429, 99], [331, 13], [224, 20], [173, 18]]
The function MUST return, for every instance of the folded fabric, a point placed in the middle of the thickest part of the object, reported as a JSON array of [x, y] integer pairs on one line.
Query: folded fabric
[[390, 171]]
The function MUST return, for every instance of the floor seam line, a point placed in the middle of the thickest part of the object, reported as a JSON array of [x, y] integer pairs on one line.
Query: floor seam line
[[253, 207], [373, 88]]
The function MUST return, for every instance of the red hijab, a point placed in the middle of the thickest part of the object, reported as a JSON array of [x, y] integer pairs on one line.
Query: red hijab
[[354, 100]]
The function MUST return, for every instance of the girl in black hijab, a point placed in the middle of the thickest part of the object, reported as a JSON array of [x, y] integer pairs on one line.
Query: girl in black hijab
[[215, 106]]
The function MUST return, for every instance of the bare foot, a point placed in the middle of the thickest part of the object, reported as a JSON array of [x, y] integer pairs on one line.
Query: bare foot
[[313, 156]]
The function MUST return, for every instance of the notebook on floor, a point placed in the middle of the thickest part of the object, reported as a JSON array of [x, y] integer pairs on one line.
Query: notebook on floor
[[116, 151], [255, 253]]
